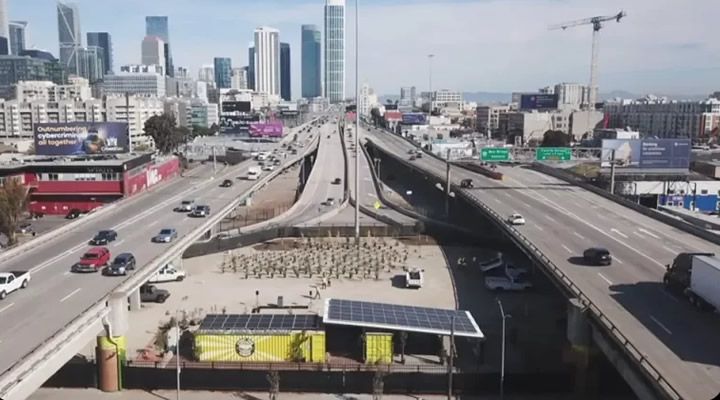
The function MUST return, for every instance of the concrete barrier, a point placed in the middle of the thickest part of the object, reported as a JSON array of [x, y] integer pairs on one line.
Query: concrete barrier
[[479, 169]]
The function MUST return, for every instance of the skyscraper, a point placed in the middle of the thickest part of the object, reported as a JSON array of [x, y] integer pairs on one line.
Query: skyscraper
[[158, 26], [102, 40], [239, 78], [90, 63], [206, 73], [267, 60], [335, 50], [251, 67], [153, 52], [285, 72], [311, 59], [17, 36], [223, 72], [4, 29], [69, 36]]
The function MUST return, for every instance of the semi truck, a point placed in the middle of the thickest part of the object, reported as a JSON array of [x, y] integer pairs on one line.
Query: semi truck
[[697, 277]]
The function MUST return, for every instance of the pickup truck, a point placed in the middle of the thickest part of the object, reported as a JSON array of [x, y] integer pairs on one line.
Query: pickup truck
[[151, 294], [414, 278], [506, 283], [12, 281], [93, 260], [168, 273]]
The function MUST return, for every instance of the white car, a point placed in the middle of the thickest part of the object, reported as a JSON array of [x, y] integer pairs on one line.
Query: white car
[[268, 167], [516, 219], [491, 263], [414, 278]]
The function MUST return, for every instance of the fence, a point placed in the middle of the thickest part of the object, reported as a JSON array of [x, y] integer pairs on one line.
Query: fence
[[249, 217]]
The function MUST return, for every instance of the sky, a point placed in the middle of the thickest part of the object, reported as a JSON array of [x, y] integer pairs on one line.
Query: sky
[[662, 46]]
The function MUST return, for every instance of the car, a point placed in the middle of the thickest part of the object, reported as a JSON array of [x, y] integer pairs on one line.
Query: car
[[168, 273], [492, 262], [13, 280], [597, 256], [185, 206], [419, 154], [268, 167], [516, 219], [411, 151], [151, 294], [336, 181], [412, 157], [200, 211], [466, 184], [93, 260], [226, 183], [120, 266], [330, 201], [506, 283], [414, 278], [166, 235], [73, 213], [103, 237]]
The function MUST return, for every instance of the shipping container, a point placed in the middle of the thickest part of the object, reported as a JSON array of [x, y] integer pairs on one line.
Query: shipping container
[[378, 348], [270, 347]]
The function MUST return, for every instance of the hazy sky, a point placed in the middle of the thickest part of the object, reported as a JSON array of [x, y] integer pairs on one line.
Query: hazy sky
[[663, 46]]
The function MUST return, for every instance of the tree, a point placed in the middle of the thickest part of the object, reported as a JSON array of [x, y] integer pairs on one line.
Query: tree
[[553, 138], [165, 133], [13, 203]]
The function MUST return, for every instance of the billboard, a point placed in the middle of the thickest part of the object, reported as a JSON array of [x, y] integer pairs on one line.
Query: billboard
[[236, 106], [647, 153], [81, 138], [414, 119], [266, 129], [393, 116], [538, 101]]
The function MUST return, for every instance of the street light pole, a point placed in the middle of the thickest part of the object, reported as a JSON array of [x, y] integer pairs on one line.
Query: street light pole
[[357, 124], [502, 351], [177, 355]]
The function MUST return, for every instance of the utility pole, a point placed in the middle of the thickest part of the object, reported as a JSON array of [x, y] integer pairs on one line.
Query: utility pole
[[357, 126], [177, 355], [502, 351], [451, 362], [447, 184], [612, 171]]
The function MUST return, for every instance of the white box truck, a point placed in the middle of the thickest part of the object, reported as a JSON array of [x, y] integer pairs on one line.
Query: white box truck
[[700, 283]]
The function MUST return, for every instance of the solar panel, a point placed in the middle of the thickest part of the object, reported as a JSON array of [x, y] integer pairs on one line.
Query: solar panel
[[259, 322], [398, 317]]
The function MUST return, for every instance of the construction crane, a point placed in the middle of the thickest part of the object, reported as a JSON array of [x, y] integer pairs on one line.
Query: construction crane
[[597, 24]]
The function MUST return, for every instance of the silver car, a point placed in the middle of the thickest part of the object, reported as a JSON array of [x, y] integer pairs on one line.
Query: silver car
[[166, 235]]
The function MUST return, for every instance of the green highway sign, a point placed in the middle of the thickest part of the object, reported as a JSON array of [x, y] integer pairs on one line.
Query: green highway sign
[[553, 154], [494, 154]]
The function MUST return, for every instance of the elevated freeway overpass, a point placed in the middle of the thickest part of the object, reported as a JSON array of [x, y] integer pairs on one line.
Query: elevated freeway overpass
[[671, 346]]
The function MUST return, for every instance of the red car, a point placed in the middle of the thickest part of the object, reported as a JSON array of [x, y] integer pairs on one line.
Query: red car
[[93, 260]]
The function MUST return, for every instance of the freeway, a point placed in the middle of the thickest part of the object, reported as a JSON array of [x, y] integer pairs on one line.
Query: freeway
[[56, 296], [563, 220]]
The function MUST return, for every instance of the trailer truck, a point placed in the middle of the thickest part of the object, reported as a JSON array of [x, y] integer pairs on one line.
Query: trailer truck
[[697, 277]]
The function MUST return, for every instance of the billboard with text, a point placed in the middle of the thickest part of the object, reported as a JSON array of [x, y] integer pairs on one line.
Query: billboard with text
[[646, 153], [81, 138], [414, 119], [538, 101], [266, 129]]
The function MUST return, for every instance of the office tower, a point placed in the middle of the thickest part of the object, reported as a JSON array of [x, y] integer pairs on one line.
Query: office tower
[[69, 36], [285, 72], [239, 78], [251, 67], [153, 52], [4, 29], [158, 26], [17, 36], [311, 62], [90, 63], [335, 50], [102, 40], [223, 72], [267, 60], [206, 73]]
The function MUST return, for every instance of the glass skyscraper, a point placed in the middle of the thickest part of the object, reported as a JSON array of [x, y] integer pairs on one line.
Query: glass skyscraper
[[4, 32], [102, 40], [158, 26], [335, 50], [223, 72], [69, 36], [311, 62], [285, 72], [251, 68], [17, 36]]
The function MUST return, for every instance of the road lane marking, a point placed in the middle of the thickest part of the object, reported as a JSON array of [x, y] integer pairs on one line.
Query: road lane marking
[[566, 248], [508, 194], [525, 204], [549, 218], [618, 232], [618, 260], [70, 295], [647, 232], [6, 307], [669, 332], [152, 223], [118, 243], [669, 295], [538, 227], [579, 235], [609, 282], [66, 273], [56, 258]]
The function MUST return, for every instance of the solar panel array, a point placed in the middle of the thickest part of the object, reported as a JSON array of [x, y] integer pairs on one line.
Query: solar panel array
[[399, 317], [259, 322]]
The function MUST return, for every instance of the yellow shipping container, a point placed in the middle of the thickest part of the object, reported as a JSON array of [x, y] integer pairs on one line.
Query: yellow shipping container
[[310, 347], [378, 348]]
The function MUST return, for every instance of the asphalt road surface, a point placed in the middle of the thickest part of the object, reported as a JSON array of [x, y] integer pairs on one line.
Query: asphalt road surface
[[563, 220]]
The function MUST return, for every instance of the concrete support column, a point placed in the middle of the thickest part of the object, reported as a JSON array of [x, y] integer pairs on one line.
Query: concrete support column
[[110, 351], [134, 300], [582, 352]]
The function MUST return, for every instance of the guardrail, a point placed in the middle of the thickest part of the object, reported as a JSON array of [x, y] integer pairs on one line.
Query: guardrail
[[653, 375], [139, 277]]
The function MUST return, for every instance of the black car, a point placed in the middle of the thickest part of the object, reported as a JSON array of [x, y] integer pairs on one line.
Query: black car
[[597, 256], [466, 183], [74, 213], [103, 237], [226, 183], [151, 294], [336, 181], [122, 263]]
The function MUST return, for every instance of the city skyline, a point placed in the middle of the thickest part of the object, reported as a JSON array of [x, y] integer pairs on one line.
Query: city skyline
[[667, 64]]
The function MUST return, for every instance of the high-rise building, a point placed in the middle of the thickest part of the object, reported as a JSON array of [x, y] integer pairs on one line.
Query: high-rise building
[[69, 36], [153, 52], [251, 67], [90, 63], [239, 78], [158, 26], [285, 72], [206, 73], [17, 36], [223, 72], [143, 80], [102, 40], [14, 69], [267, 60], [408, 93], [335, 50], [4, 29], [311, 62]]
